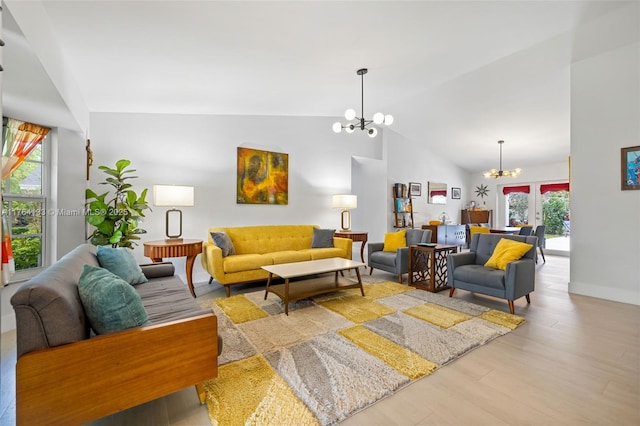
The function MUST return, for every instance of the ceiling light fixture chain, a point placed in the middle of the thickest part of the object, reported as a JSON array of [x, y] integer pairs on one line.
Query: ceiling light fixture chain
[[361, 122], [500, 173]]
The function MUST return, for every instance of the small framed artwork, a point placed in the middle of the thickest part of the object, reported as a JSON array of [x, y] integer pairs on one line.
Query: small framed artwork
[[630, 168], [415, 189], [456, 193]]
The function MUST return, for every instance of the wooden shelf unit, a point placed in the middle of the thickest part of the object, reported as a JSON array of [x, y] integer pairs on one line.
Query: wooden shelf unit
[[402, 206]]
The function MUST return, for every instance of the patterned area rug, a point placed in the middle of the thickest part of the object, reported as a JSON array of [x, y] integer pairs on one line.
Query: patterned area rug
[[337, 353]]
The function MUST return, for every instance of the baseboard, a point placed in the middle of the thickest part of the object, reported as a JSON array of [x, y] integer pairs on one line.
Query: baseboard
[[563, 253], [607, 293]]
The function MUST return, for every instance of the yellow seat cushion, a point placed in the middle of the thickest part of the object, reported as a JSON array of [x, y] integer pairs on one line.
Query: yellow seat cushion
[[288, 256], [478, 230], [323, 253], [394, 240], [245, 262], [507, 251]]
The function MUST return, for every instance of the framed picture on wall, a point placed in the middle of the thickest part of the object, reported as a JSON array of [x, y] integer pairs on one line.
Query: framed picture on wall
[[456, 193], [630, 168], [263, 177], [415, 189]]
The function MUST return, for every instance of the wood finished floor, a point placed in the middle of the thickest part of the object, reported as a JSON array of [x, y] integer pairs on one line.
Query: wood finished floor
[[575, 361]]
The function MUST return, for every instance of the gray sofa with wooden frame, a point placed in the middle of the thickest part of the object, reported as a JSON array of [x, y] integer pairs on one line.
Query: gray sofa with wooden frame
[[67, 375], [466, 270]]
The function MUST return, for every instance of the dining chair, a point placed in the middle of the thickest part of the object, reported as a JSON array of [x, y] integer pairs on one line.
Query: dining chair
[[539, 232], [478, 230], [526, 230]]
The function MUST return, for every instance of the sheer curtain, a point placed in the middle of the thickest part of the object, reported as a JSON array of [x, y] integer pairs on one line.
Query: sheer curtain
[[18, 142]]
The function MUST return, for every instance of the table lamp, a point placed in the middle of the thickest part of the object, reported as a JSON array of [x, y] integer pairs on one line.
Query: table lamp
[[345, 202], [173, 196]]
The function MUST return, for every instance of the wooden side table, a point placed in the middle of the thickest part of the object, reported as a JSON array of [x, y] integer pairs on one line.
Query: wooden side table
[[355, 236], [428, 266], [156, 250]]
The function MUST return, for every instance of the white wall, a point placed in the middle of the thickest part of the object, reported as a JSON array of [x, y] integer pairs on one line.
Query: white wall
[[67, 192], [408, 161], [605, 116], [36, 27], [369, 182]]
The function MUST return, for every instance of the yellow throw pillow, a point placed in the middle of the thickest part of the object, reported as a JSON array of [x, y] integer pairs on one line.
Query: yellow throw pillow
[[394, 240], [507, 251]]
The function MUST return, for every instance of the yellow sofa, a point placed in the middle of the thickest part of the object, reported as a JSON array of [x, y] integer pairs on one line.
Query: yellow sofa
[[257, 246]]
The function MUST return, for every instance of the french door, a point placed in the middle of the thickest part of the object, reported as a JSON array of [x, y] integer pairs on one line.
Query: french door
[[539, 203]]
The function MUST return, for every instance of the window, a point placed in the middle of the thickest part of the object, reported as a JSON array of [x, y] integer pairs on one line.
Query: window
[[517, 200], [24, 207]]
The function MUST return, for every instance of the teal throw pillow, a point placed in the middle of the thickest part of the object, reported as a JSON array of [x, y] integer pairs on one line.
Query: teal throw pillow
[[121, 262], [110, 303], [322, 238], [222, 240]]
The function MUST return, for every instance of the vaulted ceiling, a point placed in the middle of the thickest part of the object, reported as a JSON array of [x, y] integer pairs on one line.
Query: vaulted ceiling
[[456, 75]]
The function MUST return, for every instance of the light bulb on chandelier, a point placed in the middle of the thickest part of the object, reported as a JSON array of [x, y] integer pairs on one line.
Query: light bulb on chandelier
[[361, 123]]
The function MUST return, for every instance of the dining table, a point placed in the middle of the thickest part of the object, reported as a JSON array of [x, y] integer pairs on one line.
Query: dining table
[[506, 230]]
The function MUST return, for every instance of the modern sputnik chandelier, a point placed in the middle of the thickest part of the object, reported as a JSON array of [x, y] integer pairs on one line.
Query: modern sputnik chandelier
[[500, 173], [360, 122]]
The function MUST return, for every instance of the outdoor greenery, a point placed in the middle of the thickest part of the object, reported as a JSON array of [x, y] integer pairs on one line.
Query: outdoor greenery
[[26, 252], [518, 208], [116, 220], [555, 209], [23, 207]]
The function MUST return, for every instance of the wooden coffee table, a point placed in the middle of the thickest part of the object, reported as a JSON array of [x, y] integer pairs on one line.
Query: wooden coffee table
[[290, 292]]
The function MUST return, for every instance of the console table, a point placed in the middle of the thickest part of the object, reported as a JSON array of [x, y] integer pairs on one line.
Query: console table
[[354, 236], [428, 266], [476, 216], [156, 250], [448, 234]]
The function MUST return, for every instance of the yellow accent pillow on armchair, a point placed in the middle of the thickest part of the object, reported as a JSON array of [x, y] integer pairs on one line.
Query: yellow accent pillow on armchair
[[394, 240], [507, 251]]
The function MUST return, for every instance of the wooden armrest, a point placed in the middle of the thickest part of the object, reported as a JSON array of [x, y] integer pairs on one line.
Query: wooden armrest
[[90, 379]]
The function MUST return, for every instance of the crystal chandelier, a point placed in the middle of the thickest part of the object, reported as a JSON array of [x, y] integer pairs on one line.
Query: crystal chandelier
[[361, 122], [500, 173]]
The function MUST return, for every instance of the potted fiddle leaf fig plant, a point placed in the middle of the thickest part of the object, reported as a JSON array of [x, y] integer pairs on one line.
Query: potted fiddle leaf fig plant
[[116, 219]]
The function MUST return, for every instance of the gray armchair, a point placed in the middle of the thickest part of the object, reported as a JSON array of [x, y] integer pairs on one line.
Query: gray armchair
[[467, 271], [396, 262]]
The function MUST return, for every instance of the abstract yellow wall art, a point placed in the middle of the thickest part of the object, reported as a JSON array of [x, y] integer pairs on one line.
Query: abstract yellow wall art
[[263, 177]]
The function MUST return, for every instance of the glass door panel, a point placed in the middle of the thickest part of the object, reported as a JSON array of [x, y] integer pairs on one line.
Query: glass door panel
[[517, 208], [553, 210]]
